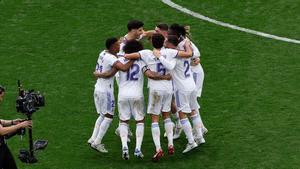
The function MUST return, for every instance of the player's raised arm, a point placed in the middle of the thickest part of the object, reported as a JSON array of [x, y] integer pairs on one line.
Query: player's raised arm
[[148, 33], [123, 67], [132, 56], [188, 50]]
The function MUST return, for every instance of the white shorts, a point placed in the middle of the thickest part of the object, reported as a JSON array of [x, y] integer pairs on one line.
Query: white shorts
[[194, 100], [198, 79], [185, 101], [131, 107], [104, 102], [159, 101]]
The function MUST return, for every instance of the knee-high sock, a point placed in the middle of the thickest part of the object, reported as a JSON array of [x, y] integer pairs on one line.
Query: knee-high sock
[[187, 128], [123, 127], [139, 133], [156, 135], [197, 125], [169, 130], [103, 129], [97, 126], [177, 120], [198, 112]]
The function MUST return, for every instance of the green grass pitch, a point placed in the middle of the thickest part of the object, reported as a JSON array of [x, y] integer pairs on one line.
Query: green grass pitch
[[250, 102]]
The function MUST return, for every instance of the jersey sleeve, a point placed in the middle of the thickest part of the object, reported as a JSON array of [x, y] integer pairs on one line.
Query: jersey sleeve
[[142, 63], [97, 66], [196, 52], [112, 60], [145, 68], [172, 53], [121, 59], [144, 54], [169, 62]]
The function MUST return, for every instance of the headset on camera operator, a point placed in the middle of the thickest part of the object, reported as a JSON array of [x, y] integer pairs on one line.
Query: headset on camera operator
[[8, 128]]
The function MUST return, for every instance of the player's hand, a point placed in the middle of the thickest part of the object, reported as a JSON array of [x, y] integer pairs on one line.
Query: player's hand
[[96, 74], [156, 53], [195, 61], [168, 77]]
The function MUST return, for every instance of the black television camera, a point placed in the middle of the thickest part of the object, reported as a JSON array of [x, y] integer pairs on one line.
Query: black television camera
[[27, 103]]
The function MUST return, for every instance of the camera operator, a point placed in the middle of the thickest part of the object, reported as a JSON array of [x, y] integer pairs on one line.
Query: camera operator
[[8, 127]]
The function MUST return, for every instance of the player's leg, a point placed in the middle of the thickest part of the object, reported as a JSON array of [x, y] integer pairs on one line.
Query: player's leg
[[199, 86], [97, 100], [124, 115], [154, 107], [155, 130], [196, 119], [187, 128], [137, 107], [139, 138], [123, 127], [96, 128], [203, 128], [168, 124], [200, 81], [108, 117], [197, 127], [175, 113], [117, 132], [182, 104]]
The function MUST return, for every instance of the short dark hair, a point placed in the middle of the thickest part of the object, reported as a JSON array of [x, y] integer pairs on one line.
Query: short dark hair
[[178, 30], [133, 46], [134, 24], [157, 40], [110, 42], [163, 26], [173, 39], [2, 89]]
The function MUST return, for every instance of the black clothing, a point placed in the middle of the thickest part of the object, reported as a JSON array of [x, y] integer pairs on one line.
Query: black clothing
[[6, 159]]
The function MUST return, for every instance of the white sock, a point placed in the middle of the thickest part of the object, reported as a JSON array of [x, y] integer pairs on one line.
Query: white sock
[[156, 135], [102, 129], [197, 125], [187, 128], [169, 130], [198, 112], [123, 127], [178, 120], [139, 133], [97, 126]]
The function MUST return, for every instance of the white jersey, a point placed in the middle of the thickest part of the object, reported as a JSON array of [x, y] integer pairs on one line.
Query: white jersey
[[131, 82], [155, 65], [196, 54], [121, 52], [181, 71], [105, 63], [123, 43]]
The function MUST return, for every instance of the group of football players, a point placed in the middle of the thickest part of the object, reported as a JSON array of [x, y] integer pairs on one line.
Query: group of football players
[[175, 80]]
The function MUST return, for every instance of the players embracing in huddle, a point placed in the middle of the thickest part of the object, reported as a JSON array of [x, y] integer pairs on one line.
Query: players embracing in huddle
[[173, 70]]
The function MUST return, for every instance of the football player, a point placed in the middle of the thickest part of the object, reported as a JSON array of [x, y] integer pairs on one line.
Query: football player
[[103, 94]]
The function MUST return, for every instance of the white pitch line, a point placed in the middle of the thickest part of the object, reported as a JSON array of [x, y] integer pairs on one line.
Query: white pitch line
[[205, 18]]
